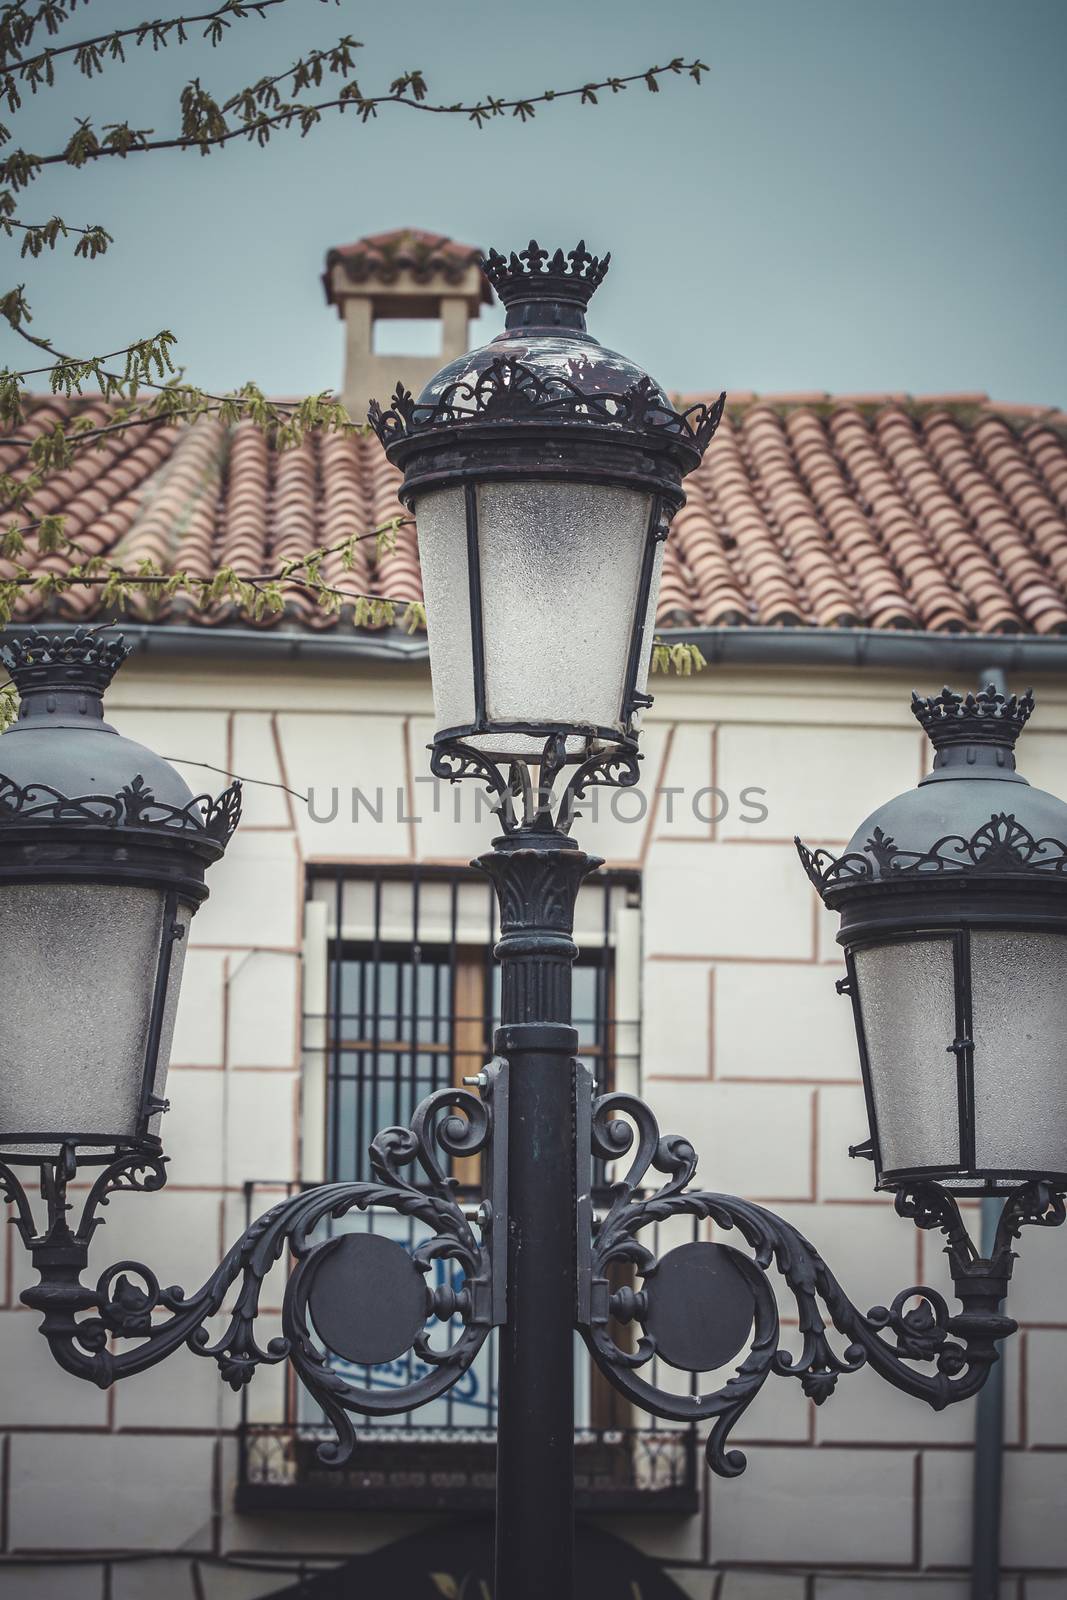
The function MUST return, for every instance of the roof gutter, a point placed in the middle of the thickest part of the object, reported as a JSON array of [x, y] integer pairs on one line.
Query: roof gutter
[[888, 649], [253, 644]]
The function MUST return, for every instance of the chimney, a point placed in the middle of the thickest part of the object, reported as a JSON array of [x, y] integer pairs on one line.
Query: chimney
[[404, 273]]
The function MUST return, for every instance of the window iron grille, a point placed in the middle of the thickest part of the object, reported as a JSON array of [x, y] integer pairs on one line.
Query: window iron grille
[[402, 998], [410, 992]]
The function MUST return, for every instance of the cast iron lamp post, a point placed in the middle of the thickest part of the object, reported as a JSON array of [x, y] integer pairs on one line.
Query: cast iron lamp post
[[544, 471]]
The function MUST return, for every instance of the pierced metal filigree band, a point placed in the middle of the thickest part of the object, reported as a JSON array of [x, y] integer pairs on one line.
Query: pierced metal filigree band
[[134, 806], [1000, 846], [507, 391]]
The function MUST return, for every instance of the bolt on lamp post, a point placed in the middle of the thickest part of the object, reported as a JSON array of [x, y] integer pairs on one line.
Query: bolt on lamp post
[[544, 471]]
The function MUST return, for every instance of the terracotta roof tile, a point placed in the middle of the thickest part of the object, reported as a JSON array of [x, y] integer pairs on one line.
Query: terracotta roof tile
[[945, 513]]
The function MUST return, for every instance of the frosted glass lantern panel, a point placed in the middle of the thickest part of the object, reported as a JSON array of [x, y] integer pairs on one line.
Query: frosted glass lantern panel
[[908, 1005], [442, 522], [560, 575], [558, 583], [1019, 1015], [77, 974]]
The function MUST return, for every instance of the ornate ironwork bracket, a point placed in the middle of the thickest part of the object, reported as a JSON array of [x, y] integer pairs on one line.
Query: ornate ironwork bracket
[[703, 1304], [366, 1299], [362, 1297], [524, 806]]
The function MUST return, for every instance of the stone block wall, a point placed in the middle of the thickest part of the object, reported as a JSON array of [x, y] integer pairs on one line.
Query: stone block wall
[[746, 1047]]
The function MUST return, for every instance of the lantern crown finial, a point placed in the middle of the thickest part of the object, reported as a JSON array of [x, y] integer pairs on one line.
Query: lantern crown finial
[[84, 660], [534, 274], [987, 717]]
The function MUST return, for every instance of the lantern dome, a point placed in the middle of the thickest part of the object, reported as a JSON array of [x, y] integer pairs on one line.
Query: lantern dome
[[546, 298], [61, 681], [974, 811]]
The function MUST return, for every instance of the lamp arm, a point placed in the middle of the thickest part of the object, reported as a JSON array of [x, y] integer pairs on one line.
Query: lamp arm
[[959, 1347], [127, 1297]]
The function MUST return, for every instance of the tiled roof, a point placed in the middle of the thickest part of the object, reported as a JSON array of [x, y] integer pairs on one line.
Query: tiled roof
[[945, 513]]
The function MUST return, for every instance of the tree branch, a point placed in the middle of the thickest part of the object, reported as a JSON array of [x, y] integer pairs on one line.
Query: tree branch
[[90, 52], [208, 129]]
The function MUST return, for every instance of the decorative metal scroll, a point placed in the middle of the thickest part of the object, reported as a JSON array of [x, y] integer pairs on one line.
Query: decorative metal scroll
[[522, 805], [134, 806], [1001, 845], [509, 391], [375, 1296], [740, 1310]]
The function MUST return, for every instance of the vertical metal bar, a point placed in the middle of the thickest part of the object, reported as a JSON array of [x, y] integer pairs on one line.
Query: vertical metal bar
[[987, 1497], [852, 989], [416, 967], [439, 1034], [453, 1030], [360, 1167], [490, 1007], [474, 591], [337, 1027], [604, 1077], [490, 1385], [963, 1045], [170, 929], [376, 1022], [631, 700]]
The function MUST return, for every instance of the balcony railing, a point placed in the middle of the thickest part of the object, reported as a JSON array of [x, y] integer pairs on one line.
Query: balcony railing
[[441, 1469]]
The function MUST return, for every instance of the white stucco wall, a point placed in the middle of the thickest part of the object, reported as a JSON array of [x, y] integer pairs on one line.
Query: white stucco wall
[[746, 1047]]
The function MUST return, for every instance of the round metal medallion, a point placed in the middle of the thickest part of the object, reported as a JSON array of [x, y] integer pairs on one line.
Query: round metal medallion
[[700, 1306], [367, 1298]]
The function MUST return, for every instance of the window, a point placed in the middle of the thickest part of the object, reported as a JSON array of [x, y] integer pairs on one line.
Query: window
[[405, 995], [401, 998]]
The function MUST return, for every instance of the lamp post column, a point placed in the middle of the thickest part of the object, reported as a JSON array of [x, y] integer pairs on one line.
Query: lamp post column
[[537, 875]]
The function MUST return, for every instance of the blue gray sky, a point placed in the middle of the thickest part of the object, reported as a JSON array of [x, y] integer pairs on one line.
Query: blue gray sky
[[861, 196]]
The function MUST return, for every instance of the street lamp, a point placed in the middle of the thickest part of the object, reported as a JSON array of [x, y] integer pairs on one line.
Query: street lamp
[[544, 471], [953, 903], [102, 857]]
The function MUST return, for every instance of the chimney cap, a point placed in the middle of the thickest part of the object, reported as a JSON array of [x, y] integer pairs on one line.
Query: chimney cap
[[381, 259]]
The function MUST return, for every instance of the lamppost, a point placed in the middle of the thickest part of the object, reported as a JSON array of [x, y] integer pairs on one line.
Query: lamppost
[[544, 471]]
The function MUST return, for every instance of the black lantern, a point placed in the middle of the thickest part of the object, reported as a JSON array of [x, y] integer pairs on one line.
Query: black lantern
[[544, 471], [103, 850], [953, 903]]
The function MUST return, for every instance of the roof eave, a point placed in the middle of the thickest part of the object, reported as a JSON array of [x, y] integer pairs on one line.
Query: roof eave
[[966, 654]]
